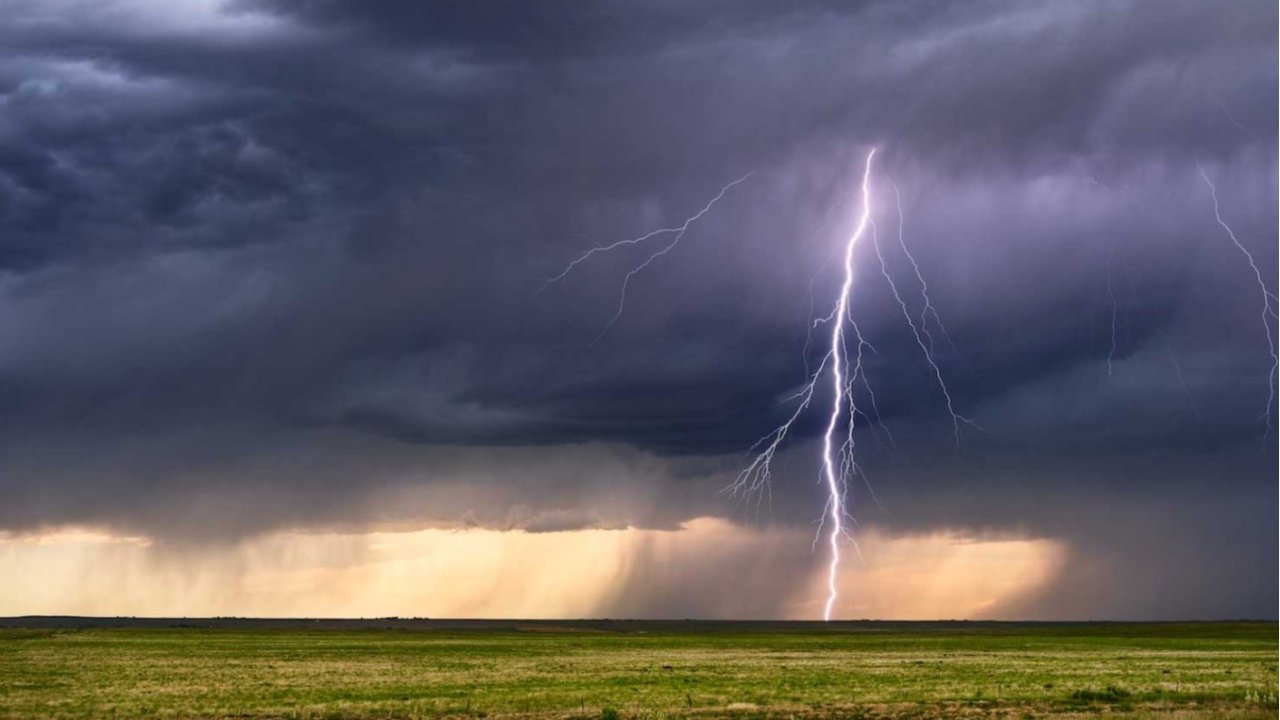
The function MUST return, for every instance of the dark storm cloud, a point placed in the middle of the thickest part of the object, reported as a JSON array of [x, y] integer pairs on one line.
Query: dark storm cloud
[[265, 265]]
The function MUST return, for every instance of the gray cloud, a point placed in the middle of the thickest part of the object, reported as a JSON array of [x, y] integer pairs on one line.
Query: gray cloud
[[279, 265]]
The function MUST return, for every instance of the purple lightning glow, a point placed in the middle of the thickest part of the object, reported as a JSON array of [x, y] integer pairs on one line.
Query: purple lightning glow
[[678, 232], [844, 357], [835, 499], [921, 331], [928, 311], [1268, 299]]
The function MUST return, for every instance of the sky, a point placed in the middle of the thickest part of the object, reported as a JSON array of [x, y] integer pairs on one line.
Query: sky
[[276, 336]]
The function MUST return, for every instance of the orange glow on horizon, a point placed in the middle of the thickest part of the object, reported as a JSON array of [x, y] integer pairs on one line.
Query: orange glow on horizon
[[491, 573]]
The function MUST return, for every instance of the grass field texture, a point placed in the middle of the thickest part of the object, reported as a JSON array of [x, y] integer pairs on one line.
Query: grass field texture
[[636, 669]]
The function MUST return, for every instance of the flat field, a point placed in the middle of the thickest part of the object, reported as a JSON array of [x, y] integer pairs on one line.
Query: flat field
[[69, 668]]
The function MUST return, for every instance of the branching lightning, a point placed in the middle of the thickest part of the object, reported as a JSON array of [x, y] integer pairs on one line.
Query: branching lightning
[[842, 360], [1268, 299], [834, 478], [755, 478], [928, 310], [677, 233], [920, 332]]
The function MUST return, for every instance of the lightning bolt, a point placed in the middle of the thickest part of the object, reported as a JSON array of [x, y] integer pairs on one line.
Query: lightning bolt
[[920, 332], [755, 478], [928, 310], [677, 233], [1234, 121], [1182, 379], [1268, 298], [834, 479], [843, 361]]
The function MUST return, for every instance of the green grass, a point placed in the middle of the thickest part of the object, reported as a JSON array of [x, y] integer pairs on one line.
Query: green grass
[[628, 670]]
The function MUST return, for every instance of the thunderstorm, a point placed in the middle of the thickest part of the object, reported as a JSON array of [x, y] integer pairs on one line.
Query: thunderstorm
[[843, 365]]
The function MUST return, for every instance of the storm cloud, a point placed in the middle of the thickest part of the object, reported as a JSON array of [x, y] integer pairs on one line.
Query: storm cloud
[[281, 265]]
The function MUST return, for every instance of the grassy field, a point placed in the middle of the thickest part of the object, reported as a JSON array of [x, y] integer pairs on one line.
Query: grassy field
[[637, 669]]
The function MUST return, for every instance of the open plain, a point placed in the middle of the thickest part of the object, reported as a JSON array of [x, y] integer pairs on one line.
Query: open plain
[[228, 668]]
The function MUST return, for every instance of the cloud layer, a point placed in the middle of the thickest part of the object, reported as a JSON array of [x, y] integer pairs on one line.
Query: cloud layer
[[275, 265]]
